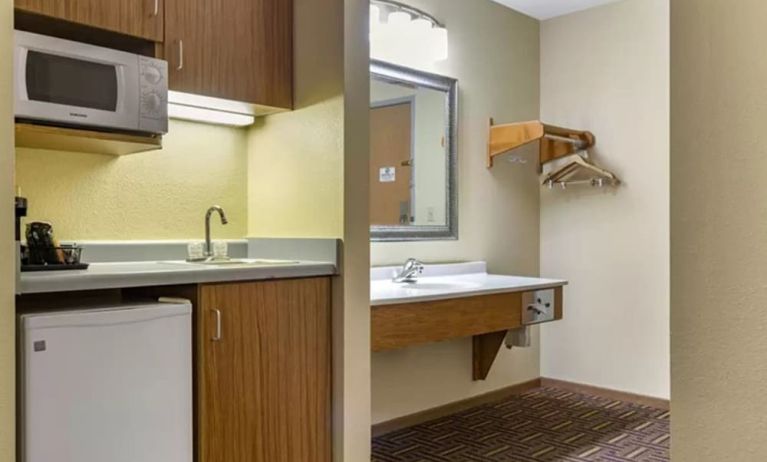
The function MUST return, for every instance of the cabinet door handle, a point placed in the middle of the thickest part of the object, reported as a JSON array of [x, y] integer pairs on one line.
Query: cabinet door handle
[[156, 10], [218, 336], [180, 55]]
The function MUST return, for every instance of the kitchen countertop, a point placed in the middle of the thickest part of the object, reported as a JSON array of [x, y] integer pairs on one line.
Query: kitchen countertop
[[163, 273], [443, 282]]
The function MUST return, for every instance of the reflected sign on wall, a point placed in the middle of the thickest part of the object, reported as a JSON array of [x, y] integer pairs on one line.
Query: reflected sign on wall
[[387, 174]]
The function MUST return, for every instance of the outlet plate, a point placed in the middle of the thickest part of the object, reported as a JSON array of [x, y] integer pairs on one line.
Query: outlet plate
[[538, 307]]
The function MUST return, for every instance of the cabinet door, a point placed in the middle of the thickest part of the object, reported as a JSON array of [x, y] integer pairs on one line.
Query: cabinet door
[[138, 18], [240, 50], [263, 373]]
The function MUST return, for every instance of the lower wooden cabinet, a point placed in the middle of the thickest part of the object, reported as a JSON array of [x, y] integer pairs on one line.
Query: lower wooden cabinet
[[263, 371]]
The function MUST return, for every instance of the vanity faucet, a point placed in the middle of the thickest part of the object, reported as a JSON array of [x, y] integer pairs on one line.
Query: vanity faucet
[[409, 272], [208, 215]]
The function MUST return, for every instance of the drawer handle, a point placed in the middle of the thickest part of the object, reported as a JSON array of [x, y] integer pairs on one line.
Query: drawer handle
[[218, 336], [180, 55]]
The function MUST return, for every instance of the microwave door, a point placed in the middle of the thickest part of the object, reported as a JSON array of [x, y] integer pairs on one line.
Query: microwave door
[[76, 90]]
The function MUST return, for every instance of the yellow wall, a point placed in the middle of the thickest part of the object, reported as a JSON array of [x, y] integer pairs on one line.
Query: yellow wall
[[307, 177], [295, 159], [154, 195], [718, 230], [7, 268], [494, 54], [295, 168]]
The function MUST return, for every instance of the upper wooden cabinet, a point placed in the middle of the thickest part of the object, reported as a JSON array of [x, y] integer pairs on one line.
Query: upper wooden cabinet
[[237, 49], [138, 18]]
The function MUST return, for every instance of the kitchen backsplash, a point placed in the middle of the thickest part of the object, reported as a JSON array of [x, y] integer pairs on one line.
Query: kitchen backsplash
[[155, 195]]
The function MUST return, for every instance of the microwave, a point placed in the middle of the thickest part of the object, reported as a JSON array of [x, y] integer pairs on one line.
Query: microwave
[[73, 84]]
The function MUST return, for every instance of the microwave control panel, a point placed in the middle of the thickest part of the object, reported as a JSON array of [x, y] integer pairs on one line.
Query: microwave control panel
[[154, 94]]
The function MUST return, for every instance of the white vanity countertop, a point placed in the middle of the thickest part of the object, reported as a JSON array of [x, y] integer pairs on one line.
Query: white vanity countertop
[[441, 282], [162, 273]]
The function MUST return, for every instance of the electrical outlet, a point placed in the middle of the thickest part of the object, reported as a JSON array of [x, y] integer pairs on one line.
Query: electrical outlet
[[538, 307]]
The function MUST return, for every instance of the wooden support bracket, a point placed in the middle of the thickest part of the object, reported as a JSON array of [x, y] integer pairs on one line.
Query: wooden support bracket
[[484, 350]]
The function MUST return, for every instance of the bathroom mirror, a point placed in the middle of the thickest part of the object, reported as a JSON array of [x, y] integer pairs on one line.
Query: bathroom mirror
[[413, 124]]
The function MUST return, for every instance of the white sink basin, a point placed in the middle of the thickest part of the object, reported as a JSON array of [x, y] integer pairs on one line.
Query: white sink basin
[[433, 284], [447, 281], [424, 287]]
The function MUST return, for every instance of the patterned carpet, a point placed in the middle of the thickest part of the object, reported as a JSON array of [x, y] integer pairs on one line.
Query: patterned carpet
[[543, 425]]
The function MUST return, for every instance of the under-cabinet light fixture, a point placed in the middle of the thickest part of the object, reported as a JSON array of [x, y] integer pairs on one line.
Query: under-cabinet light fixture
[[402, 34], [186, 106]]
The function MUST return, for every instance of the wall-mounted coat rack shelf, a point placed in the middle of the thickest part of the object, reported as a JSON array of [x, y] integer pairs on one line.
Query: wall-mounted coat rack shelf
[[555, 142]]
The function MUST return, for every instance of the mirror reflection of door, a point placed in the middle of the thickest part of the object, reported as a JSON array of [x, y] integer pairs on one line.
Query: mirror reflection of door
[[391, 151], [413, 121]]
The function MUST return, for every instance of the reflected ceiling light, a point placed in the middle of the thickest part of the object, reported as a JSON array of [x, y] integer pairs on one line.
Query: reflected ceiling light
[[402, 34]]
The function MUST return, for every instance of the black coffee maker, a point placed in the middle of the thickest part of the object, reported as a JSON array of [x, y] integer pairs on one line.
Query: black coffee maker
[[21, 212]]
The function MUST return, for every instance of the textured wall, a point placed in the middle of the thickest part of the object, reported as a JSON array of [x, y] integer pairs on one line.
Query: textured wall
[[295, 160], [7, 268], [354, 286], [153, 195], [494, 54], [607, 70], [718, 230]]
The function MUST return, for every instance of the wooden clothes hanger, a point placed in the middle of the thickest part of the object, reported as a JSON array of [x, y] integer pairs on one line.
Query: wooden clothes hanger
[[600, 176]]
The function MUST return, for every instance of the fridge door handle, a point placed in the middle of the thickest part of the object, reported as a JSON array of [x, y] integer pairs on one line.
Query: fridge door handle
[[217, 337]]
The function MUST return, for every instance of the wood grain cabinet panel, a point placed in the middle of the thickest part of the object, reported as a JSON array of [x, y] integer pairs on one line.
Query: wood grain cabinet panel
[[263, 380], [409, 324], [233, 49], [137, 18]]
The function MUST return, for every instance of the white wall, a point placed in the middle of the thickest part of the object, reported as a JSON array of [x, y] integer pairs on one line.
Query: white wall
[[494, 55], [351, 292], [607, 70]]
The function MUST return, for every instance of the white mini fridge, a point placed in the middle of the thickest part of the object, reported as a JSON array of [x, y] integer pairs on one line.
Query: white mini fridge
[[107, 384]]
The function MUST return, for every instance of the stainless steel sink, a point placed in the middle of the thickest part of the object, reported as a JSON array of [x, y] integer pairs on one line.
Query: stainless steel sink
[[246, 262], [241, 262]]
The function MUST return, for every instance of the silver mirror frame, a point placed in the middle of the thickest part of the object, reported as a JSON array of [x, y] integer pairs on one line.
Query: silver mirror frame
[[397, 74]]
